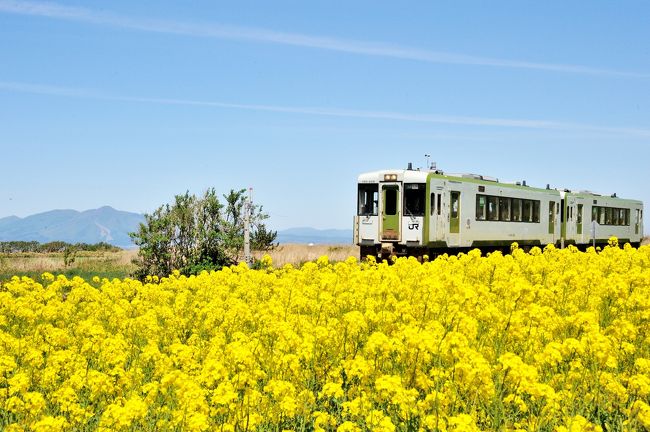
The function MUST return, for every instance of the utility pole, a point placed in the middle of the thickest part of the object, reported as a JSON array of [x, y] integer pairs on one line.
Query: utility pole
[[248, 205]]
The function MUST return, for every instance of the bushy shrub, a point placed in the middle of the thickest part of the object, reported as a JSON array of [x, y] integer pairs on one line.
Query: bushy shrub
[[197, 233]]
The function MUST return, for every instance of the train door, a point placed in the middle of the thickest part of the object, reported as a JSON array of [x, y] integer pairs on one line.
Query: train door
[[390, 220], [551, 217], [433, 220], [453, 219], [454, 212], [641, 221], [570, 225], [440, 214], [579, 217], [564, 218]]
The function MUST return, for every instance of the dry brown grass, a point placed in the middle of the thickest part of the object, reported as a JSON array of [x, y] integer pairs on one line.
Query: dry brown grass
[[297, 254], [116, 264], [645, 241]]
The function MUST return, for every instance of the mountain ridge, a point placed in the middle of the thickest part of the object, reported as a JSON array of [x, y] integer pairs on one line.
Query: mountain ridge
[[109, 225], [104, 224]]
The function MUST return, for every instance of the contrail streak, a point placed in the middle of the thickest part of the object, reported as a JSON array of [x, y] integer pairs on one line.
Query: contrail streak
[[260, 35], [20, 87]]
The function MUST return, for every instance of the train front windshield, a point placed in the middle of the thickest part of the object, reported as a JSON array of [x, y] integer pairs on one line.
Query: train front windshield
[[414, 199], [368, 203]]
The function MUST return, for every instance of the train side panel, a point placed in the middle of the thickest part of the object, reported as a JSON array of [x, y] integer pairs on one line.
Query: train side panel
[[591, 218], [476, 214]]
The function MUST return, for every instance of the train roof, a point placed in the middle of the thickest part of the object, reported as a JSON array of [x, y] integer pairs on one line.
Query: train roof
[[422, 176], [604, 198]]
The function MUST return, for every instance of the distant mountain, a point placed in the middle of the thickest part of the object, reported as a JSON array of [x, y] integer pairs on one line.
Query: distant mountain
[[316, 236], [104, 224]]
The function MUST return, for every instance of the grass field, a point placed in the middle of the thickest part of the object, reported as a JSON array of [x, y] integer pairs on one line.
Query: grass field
[[86, 264], [118, 264], [300, 253]]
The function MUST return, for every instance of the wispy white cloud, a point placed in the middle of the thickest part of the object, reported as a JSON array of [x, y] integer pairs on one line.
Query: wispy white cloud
[[41, 89], [218, 31]]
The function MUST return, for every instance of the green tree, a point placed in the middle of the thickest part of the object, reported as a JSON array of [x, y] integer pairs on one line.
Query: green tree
[[198, 233]]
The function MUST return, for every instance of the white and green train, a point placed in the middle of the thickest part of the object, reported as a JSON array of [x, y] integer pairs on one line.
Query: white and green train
[[414, 212]]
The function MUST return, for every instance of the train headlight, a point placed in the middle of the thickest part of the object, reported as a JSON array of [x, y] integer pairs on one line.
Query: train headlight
[[389, 177]]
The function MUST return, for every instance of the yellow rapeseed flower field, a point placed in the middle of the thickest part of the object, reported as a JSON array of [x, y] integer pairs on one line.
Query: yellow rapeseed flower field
[[551, 340]]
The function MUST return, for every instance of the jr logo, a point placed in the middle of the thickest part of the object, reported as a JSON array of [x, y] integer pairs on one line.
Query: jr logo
[[414, 226]]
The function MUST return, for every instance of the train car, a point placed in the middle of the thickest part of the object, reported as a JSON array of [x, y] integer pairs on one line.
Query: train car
[[417, 212], [589, 218]]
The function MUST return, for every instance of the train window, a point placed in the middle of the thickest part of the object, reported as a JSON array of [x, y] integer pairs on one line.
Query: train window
[[439, 206], [579, 215], [601, 215], [562, 212], [481, 205], [432, 204], [528, 211], [414, 199], [594, 213], [390, 206], [627, 217], [516, 210], [454, 204], [504, 209], [368, 199], [493, 208], [608, 216]]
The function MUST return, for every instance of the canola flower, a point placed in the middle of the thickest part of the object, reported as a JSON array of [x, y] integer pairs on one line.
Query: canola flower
[[551, 340]]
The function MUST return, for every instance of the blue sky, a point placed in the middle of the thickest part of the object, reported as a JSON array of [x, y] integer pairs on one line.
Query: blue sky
[[128, 103]]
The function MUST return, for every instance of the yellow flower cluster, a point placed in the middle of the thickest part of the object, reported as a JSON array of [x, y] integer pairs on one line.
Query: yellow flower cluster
[[555, 340]]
